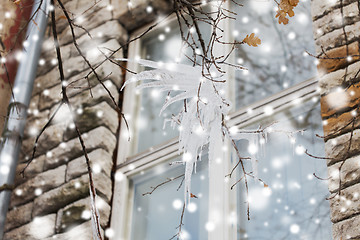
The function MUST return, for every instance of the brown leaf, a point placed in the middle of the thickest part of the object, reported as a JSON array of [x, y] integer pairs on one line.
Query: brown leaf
[[286, 7], [282, 17], [294, 2], [291, 13], [17, 2], [265, 185], [252, 40], [193, 196]]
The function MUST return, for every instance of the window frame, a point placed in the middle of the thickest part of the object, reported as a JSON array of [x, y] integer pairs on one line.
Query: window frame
[[128, 166]]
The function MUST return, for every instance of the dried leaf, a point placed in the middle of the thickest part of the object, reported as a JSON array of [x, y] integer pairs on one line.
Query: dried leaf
[[294, 2], [17, 2], [265, 185], [252, 40], [291, 13], [193, 196], [286, 7], [282, 17]]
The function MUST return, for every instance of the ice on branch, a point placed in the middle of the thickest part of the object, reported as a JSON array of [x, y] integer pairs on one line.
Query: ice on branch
[[204, 107], [202, 117]]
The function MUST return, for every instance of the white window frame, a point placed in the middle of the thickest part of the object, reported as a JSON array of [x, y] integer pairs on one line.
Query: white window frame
[[220, 195]]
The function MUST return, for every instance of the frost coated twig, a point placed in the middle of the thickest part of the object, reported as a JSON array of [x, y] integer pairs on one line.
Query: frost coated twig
[[241, 162], [163, 183], [178, 234], [38, 137], [65, 100], [95, 214], [93, 69]]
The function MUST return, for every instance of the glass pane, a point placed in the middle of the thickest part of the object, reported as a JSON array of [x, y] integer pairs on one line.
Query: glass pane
[[163, 47], [294, 206], [280, 61], [156, 216]]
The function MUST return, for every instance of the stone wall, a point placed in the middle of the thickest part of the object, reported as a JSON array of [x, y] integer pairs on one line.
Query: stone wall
[[336, 32], [52, 200]]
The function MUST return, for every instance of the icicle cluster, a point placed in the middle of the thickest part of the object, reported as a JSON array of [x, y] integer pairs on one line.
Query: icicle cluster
[[202, 115]]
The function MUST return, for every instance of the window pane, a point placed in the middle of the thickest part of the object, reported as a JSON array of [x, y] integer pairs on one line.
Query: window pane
[[279, 62], [294, 206], [156, 216], [163, 47]]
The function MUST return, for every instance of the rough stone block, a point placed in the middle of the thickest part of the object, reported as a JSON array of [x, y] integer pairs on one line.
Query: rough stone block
[[76, 64], [90, 15], [333, 19], [100, 160], [84, 99], [336, 38], [18, 216], [331, 81], [53, 97], [320, 8], [339, 151], [106, 71], [36, 120], [79, 212], [92, 117], [80, 232], [345, 205], [339, 124], [37, 185], [108, 30], [39, 228], [347, 229], [350, 173], [72, 191], [137, 15], [340, 100], [34, 104], [330, 65], [31, 171], [52, 78], [100, 137], [81, 10], [80, 92], [50, 138]]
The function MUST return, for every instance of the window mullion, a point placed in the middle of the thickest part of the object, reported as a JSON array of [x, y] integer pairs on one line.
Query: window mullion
[[221, 198]]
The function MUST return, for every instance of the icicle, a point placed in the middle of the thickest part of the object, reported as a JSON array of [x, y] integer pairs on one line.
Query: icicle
[[204, 108], [254, 163], [189, 166], [95, 217]]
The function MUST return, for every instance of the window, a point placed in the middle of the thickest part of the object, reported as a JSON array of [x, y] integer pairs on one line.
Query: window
[[294, 207], [150, 127], [288, 94], [274, 65], [158, 214]]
